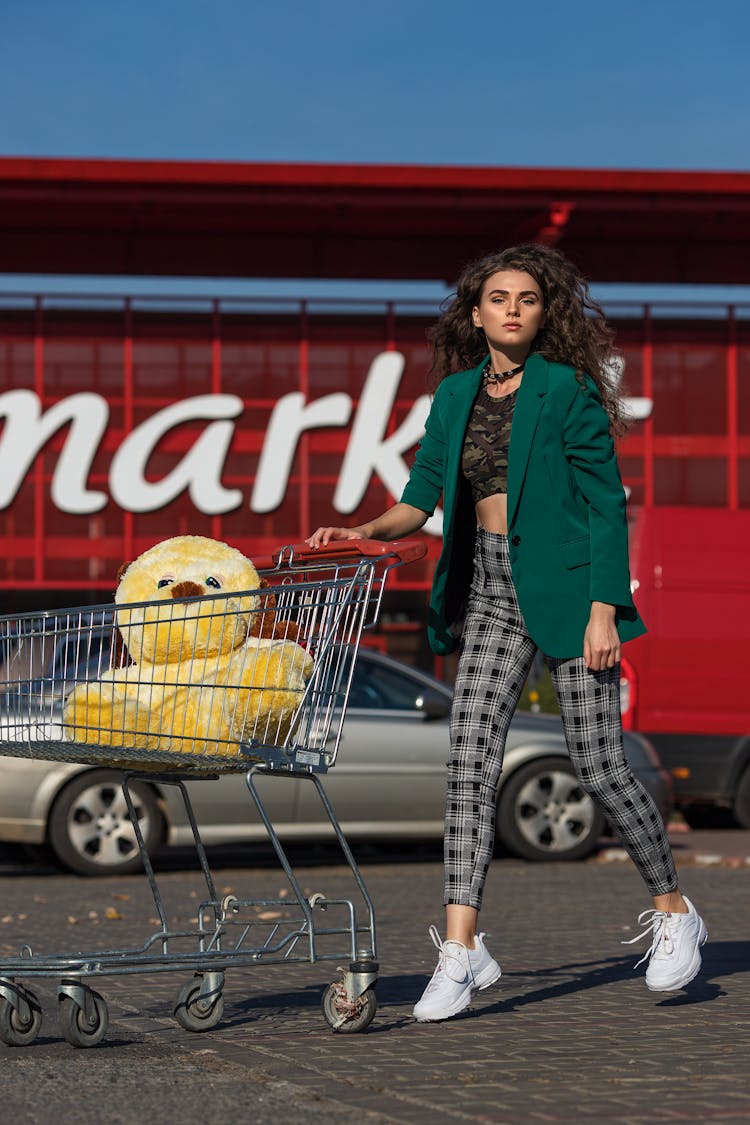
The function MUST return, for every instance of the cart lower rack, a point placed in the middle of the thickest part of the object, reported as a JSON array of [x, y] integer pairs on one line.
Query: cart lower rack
[[256, 681]]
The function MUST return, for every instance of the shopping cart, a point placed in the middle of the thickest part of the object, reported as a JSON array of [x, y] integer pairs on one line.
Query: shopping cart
[[316, 602]]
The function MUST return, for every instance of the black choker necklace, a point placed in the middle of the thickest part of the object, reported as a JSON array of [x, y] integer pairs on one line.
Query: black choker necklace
[[489, 376]]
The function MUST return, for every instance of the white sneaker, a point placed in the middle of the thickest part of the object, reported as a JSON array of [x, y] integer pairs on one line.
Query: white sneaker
[[675, 954], [459, 972], [484, 967]]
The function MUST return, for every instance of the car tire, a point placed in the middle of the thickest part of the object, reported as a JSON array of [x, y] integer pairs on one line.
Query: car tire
[[89, 829], [543, 814]]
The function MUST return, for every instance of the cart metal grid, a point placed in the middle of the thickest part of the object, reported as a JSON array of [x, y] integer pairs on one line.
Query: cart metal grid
[[70, 690]]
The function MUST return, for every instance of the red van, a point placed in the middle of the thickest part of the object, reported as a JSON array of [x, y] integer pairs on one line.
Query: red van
[[686, 683]]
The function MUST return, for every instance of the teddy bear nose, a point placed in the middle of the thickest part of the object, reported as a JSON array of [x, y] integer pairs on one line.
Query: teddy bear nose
[[186, 590]]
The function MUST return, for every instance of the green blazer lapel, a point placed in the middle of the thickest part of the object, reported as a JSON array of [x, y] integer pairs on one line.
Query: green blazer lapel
[[525, 419], [461, 395]]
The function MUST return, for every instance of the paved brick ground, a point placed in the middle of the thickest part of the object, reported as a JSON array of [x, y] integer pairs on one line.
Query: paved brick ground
[[569, 1034]]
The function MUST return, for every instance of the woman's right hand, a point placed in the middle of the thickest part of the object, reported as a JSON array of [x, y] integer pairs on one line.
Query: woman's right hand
[[324, 535], [398, 521]]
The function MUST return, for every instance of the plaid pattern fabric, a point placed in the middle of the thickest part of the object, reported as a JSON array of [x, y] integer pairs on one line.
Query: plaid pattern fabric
[[496, 655]]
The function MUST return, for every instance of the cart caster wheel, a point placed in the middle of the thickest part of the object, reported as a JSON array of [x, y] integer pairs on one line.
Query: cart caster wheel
[[195, 1014], [15, 1031], [345, 1015], [78, 1029]]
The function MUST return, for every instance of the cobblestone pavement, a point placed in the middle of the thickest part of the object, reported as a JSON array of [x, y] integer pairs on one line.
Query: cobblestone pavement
[[570, 1033]]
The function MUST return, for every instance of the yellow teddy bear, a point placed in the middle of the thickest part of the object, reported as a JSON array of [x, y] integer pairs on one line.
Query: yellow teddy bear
[[201, 678]]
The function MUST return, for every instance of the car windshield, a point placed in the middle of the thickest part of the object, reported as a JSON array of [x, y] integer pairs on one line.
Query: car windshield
[[46, 659], [25, 658]]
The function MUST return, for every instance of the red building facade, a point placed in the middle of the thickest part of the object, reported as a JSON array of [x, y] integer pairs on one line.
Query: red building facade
[[254, 421], [124, 420]]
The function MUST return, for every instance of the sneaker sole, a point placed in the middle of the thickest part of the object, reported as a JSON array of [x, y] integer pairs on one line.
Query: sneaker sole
[[485, 980], [458, 1006], [691, 972]]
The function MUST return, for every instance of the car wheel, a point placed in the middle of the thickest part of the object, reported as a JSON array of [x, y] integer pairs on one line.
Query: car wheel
[[90, 830], [543, 813]]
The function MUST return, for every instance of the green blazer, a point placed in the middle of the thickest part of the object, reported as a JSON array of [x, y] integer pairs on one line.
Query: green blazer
[[566, 508]]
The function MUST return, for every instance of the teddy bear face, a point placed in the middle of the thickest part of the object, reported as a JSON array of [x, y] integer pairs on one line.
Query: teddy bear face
[[169, 629]]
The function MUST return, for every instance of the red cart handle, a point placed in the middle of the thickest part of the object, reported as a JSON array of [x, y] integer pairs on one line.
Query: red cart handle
[[405, 550]]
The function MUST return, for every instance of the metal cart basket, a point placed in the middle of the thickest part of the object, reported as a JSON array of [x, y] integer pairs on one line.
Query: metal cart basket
[[256, 682]]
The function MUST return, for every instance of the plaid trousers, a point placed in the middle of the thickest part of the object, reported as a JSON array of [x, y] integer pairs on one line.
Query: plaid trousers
[[496, 654]]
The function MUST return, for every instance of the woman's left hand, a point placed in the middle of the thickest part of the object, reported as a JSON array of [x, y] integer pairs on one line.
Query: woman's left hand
[[601, 643]]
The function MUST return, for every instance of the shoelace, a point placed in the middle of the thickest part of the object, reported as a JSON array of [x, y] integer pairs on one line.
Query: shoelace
[[443, 956], [658, 923]]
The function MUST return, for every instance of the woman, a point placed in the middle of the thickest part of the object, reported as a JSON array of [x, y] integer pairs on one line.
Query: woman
[[518, 441]]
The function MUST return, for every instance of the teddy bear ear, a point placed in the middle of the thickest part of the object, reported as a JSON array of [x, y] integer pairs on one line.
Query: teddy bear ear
[[120, 657], [263, 623]]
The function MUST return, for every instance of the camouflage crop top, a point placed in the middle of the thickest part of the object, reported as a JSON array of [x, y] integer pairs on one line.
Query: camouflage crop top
[[485, 454]]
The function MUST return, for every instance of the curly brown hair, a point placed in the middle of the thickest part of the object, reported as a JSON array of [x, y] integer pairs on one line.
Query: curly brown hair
[[574, 332]]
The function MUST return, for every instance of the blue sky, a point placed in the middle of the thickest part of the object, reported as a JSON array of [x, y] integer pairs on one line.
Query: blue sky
[[588, 83]]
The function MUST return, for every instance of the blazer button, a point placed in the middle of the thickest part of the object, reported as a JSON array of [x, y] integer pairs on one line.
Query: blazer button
[[516, 540]]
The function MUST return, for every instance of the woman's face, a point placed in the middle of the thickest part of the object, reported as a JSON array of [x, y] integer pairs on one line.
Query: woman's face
[[510, 310]]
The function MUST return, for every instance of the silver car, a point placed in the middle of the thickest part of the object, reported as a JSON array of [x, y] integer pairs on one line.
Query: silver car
[[388, 781]]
